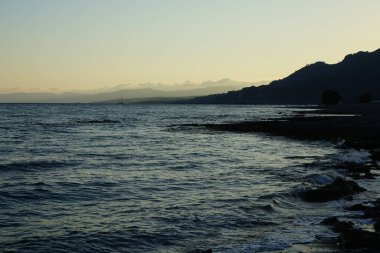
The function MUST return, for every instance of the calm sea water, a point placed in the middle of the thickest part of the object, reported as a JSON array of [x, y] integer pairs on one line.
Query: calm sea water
[[130, 178]]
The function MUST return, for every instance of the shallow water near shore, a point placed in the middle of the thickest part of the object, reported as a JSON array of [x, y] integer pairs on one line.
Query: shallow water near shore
[[132, 178]]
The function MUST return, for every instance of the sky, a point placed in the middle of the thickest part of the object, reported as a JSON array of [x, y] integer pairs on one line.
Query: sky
[[89, 44]]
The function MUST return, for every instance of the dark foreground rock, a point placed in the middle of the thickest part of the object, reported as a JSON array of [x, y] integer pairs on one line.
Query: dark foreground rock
[[362, 176], [200, 251], [375, 155], [376, 226], [342, 225], [330, 221], [359, 170], [358, 207], [372, 212], [357, 167], [358, 239], [337, 226], [338, 189]]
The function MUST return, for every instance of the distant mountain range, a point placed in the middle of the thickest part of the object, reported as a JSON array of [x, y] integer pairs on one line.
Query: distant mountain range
[[130, 94], [356, 74]]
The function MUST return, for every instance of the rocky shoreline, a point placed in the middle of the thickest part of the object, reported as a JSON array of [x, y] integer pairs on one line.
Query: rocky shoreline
[[356, 126]]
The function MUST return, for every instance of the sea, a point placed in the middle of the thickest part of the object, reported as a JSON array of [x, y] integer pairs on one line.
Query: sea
[[145, 178]]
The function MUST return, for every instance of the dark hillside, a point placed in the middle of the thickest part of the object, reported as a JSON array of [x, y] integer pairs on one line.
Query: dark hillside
[[356, 74]]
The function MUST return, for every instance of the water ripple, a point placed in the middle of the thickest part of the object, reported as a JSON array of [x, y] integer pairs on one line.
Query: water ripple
[[144, 178]]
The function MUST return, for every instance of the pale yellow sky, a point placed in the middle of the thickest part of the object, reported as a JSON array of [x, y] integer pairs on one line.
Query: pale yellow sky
[[88, 44]]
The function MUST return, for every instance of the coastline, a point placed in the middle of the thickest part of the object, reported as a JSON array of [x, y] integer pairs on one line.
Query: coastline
[[358, 125], [350, 126]]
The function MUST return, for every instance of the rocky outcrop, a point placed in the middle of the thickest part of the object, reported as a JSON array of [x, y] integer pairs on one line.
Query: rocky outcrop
[[359, 239], [200, 251], [375, 155], [337, 226], [336, 190], [330, 221], [360, 171]]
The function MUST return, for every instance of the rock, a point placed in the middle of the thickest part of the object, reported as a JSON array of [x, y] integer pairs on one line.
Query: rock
[[357, 239], [338, 226], [362, 144], [338, 189], [375, 155], [349, 198], [372, 212], [330, 221], [376, 226], [367, 175], [357, 167], [358, 207], [360, 170], [200, 251], [376, 203], [342, 225]]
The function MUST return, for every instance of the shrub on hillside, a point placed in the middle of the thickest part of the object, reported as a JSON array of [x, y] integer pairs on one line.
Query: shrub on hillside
[[330, 97], [365, 98]]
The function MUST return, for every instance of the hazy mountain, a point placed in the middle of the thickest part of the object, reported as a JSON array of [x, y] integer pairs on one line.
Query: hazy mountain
[[134, 92], [188, 85], [356, 74]]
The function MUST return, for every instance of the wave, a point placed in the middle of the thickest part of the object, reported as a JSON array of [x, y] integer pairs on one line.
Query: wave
[[34, 165], [97, 121], [128, 240]]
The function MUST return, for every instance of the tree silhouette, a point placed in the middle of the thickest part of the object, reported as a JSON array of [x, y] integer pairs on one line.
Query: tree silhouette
[[330, 97]]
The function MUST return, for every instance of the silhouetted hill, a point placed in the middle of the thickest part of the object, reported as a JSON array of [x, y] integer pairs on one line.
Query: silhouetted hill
[[356, 74]]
